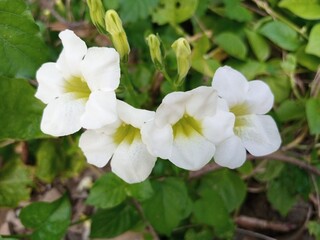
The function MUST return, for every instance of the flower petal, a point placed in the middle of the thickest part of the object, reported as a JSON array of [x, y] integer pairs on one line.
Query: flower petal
[[158, 140], [218, 127], [191, 153], [101, 109], [231, 85], [50, 82], [132, 162], [259, 134], [74, 49], [97, 147], [259, 98], [202, 102], [62, 115], [101, 68], [230, 153], [133, 116]]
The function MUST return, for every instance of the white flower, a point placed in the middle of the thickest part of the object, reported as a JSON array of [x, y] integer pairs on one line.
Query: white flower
[[254, 131], [186, 127], [122, 141], [79, 87]]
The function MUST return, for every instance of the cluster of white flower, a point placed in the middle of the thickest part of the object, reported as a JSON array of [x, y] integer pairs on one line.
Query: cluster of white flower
[[188, 128]]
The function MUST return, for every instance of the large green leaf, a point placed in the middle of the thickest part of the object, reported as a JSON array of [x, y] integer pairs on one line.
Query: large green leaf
[[109, 223], [168, 206], [313, 115], [313, 46], [259, 45], [49, 220], [20, 111], [174, 11], [307, 9], [21, 47], [232, 44], [131, 11], [15, 181], [281, 35]]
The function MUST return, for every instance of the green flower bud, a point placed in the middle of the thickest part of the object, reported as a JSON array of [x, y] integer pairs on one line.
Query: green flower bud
[[118, 35], [155, 51], [182, 50], [97, 14]]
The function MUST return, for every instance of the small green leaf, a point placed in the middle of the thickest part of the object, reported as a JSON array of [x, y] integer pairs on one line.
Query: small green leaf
[[309, 61], [107, 192], [313, 46], [20, 111], [259, 45], [112, 222], [132, 11], [314, 229], [210, 209], [15, 179], [269, 171], [291, 110], [191, 234], [307, 9], [280, 34], [174, 11], [49, 220], [21, 48], [141, 191], [232, 44], [234, 10], [168, 206], [313, 115]]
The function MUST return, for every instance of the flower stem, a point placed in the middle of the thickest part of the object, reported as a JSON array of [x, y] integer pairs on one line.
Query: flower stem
[[127, 83]]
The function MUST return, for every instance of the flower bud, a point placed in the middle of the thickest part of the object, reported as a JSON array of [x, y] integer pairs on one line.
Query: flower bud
[[97, 14], [182, 50], [155, 51], [118, 35]]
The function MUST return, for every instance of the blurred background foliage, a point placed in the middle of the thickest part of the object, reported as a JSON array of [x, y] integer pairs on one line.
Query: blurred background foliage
[[273, 197]]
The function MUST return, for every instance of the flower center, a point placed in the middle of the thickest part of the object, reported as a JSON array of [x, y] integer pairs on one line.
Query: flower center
[[186, 126], [240, 109], [127, 133], [77, 86]]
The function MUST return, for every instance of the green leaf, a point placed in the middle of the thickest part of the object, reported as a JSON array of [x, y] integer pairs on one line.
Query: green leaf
[[313, 115], [269, 170], [109, 223], [210, 209], [141, 191], [49, 220], [15, 179], [280, 34], [132, 11], [314, 229], [291, 110], [309, 61], [307, 9], [234, 10], [168, 206], [259, 45], [22, 50], [20, 111], [107, 192], [228, 185], [313, 46], [232, 44], [191, 234], [174, 11]]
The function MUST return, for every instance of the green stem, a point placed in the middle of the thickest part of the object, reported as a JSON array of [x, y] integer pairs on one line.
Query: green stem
[[294, 86], [129, 86], [80, 221]]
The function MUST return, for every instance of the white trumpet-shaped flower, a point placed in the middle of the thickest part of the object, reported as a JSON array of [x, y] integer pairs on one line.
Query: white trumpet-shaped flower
[[122, 142], [187, 126], [253, 130], [79, 87]]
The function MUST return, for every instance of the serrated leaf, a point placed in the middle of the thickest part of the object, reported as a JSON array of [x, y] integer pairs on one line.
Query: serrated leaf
[[174, 11], [228, 185], [15, 181], [259, 45], [280, 34], [107, 192], [20, 111], [132, 11], [22, 50], [109, 223], [313, 46], [168, 206], [232, 44], [307, 9], [49, 220], [313, 115]]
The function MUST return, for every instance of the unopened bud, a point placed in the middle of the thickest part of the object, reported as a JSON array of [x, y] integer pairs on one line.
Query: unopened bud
[[182, 50], [155, 52], [97, 14], [118, 35]]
